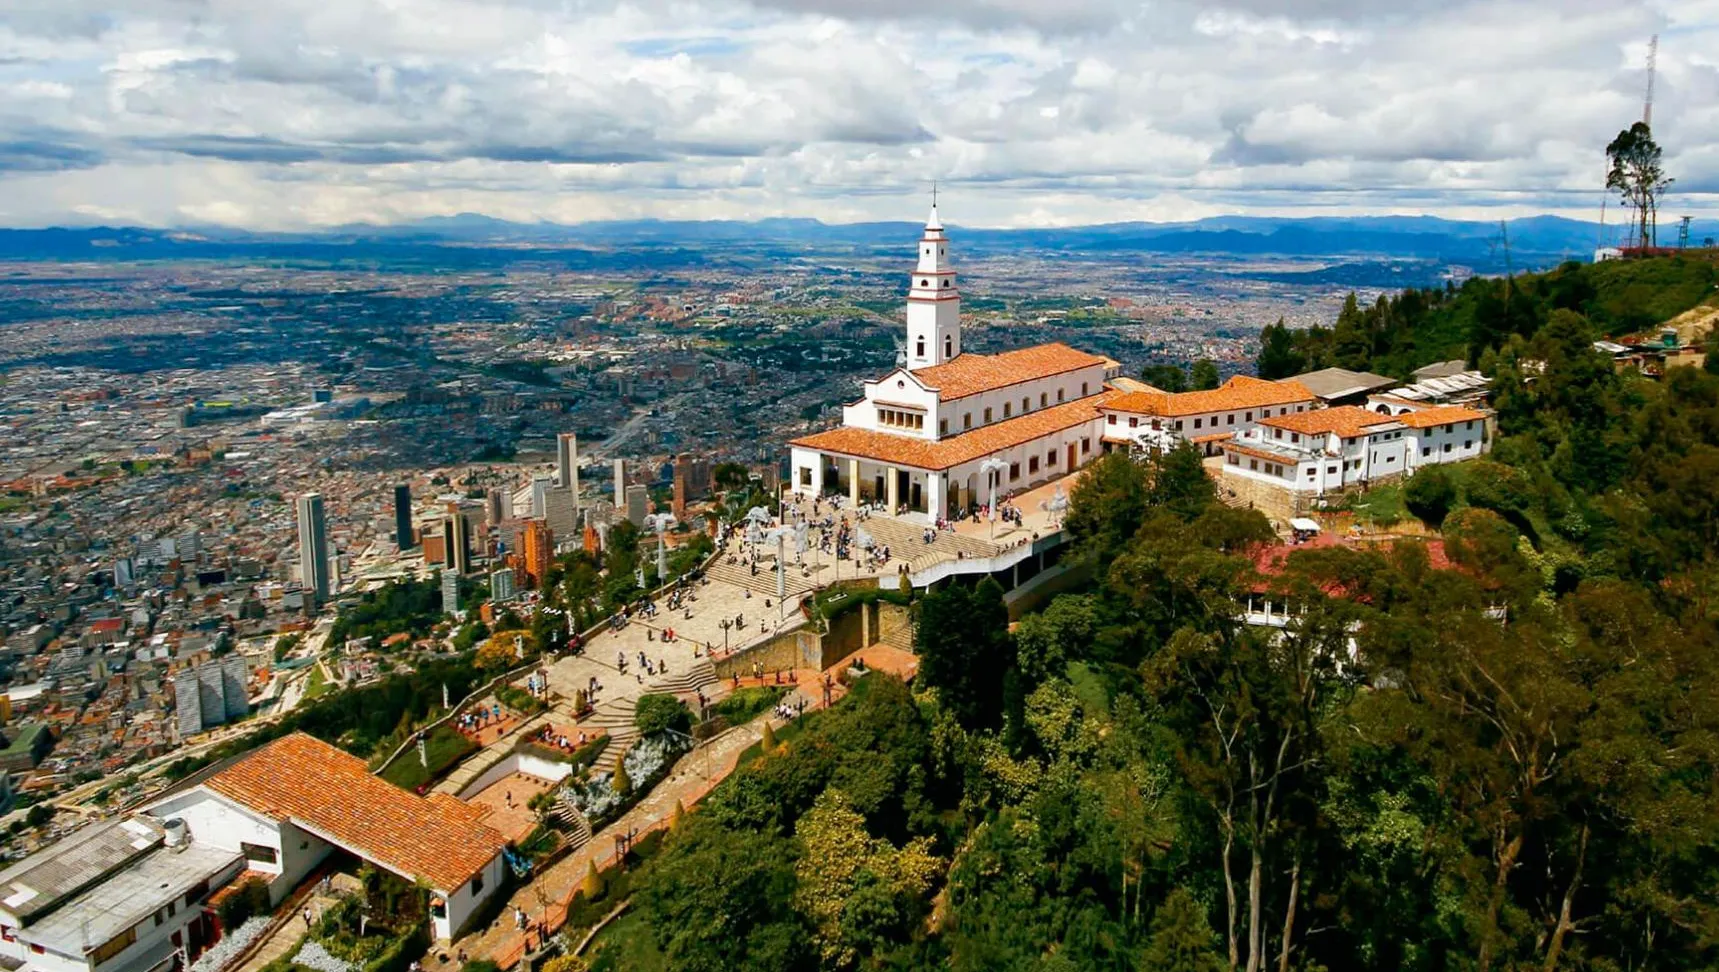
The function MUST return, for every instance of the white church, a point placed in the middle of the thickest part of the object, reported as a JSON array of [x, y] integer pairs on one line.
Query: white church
[[918, 439]]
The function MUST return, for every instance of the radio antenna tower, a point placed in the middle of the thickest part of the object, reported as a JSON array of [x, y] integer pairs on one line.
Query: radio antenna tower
[[1652, 69]]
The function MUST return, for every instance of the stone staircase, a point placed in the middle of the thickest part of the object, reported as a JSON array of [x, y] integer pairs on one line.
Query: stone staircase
[[764, 584], [689, 680], [578, 828], [907, 540], [614, 717]]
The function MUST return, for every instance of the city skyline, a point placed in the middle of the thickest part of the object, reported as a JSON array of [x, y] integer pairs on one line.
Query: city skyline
[[185, 115]]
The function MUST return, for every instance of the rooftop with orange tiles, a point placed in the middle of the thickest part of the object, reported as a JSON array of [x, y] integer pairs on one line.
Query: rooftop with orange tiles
[[1347, 421], [331, 793], [970, 374], [1241, 391], [954, 450]]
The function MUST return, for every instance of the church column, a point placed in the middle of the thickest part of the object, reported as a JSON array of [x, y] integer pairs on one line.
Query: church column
[[817, 474], [934, 507], [889, 488], [853, 483]]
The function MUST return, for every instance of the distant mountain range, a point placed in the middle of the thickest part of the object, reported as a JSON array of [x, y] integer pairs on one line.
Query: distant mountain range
[[470, 239]]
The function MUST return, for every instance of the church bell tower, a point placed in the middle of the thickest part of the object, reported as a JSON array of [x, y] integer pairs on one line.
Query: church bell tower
[[933, 302]]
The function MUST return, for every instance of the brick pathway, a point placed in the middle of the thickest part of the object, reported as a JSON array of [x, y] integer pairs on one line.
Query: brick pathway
[[546, 898]]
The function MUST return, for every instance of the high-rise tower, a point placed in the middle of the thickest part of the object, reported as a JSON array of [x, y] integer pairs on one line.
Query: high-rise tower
[[403, 516], [933, 302], [313, 546]]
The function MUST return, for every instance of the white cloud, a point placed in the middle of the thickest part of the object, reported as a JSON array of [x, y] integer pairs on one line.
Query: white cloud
[[293, 113]]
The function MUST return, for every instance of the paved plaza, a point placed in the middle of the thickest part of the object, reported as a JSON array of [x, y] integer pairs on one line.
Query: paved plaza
[[506, 799]]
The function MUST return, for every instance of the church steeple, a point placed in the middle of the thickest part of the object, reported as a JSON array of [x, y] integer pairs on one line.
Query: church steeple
[[933, 302]]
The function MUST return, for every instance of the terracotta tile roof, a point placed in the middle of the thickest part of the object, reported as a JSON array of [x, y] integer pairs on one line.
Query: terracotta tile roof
[[1426, 418], [970, 374], [331, 793], [901, 450], [1260, 452], [1241, 391], [1347, 421]]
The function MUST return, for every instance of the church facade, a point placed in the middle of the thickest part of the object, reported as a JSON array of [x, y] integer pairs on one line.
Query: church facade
[[940, 432]]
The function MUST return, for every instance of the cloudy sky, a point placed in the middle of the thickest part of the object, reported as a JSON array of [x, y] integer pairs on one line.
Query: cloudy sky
[[304, 113]]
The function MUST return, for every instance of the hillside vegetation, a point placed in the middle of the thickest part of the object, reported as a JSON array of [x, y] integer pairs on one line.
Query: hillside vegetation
[[1505, 763], [1399, 333]]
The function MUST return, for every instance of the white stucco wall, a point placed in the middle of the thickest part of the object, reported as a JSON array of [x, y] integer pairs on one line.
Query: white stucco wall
[[464, 901], [955, 411]]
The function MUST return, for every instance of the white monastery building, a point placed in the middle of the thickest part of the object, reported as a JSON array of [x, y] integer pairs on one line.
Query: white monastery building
[[940, 432], [918, 438]]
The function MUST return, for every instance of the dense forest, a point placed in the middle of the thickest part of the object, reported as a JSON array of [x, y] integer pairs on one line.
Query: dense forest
[[1401, 332], [1498, 758]]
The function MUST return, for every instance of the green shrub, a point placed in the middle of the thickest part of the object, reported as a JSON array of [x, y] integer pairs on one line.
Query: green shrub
[[745, 703], [1429, 494], [246, 902], [656, 712]]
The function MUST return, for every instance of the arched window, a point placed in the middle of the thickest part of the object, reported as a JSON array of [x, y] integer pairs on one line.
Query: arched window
[[948, 346], [919, 349]]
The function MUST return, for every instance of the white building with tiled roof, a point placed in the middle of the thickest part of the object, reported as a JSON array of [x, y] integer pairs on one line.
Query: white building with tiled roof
[[1330, 449], [1205, 418], [285, 807], [920, 436]]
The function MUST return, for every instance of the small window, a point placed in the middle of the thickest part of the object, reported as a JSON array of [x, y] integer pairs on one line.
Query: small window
[[1050, 458], [1026, 404], [1447, 447], [1111, 420], [1468, 426], [919, 348], [1032, 464], [1043, 399], [260, 853], [942, 426], [1468, 443], [1085, 446], [967, 420], [1006, 407], [477, 885], [1197, 423], [1083, 391], [1014, 471], [1249, 417], [1230, 419], [1234, 459], [1295, 436], [1133, 422], [1312, 471], [1330, 470], [1253, 464], [987, 416], [948, 346], [805, 476], [1059, 395], [1426, 452], [1178, 425], [924, 283]]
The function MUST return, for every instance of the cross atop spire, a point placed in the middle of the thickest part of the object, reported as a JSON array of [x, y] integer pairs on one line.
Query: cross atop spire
[[933, 193], [932, 222]]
